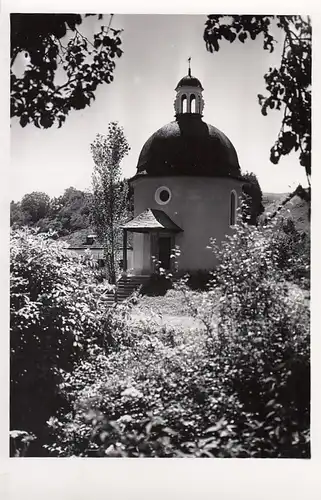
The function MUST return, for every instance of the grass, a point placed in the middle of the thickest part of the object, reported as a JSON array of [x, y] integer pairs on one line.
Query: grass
[[171, 304], [168, 310]]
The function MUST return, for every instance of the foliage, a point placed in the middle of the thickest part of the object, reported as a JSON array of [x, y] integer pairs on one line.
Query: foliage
[[289, 85], [87, 380], [264, 327], [63, 214], [69, 215], [62, 68], [239, 387], [55, 313], [252, 192], [109, 202], [292, 250], [145, 399], [35, 206], [20, 442], [71, 211], [17, 216]]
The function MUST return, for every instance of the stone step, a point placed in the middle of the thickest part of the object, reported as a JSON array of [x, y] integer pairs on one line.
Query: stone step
[[134, 278], [130, 283], [125, 287]]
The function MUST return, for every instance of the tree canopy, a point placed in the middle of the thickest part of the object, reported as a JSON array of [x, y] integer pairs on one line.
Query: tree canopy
[[64, 214], [252, 193], [63, 68], [35, 205], [289, 85]]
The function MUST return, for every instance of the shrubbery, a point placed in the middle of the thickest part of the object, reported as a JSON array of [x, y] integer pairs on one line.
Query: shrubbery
[[252, 193], [56, 312], [293, 252], [239, 387], [264, 328]]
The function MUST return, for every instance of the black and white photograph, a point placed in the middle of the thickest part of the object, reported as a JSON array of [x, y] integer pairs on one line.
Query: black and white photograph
[[160, 207]]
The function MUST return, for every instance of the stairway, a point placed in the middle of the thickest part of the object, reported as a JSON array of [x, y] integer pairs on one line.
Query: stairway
[[126, 285], [109, 298], [124, 288]]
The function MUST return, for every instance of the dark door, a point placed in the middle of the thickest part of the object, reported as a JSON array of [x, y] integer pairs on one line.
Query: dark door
[[164, 251]]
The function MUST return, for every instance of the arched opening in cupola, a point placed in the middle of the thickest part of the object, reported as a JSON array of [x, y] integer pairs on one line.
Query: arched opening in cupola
[[184, 104], [193, 103]]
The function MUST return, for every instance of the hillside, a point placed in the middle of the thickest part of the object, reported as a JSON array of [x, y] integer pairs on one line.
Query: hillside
[[295, 206], [299, 211], [271, 201]]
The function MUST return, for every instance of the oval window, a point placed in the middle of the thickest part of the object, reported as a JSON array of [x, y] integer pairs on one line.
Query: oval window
[[163, 195]]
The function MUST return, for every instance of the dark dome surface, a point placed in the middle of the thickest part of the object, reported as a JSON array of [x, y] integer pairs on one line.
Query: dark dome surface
[[189, 80], [189, 146]]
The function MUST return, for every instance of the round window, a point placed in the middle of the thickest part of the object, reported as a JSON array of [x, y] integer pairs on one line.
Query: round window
[[163, 195]]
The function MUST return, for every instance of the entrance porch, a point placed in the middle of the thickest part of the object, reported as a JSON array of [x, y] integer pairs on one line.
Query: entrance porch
[[153, 241]]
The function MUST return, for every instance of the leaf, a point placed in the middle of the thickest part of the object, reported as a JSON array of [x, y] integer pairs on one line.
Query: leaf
[[46, 121], [288, 142], [24, 119], [271, 403], [242, 37]]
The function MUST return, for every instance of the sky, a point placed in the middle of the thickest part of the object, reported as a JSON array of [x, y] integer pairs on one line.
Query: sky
[[141, 97]]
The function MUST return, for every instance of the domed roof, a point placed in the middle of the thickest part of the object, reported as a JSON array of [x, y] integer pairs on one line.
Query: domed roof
[[188, 146], [189, 81]]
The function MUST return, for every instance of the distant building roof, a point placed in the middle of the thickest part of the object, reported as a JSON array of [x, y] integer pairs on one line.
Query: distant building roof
[[152, 220]]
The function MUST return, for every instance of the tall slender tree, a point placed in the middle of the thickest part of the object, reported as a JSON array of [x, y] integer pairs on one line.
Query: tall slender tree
[[109, 203]]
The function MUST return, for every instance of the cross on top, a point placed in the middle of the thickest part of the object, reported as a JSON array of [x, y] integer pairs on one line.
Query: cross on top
[[189, 66]]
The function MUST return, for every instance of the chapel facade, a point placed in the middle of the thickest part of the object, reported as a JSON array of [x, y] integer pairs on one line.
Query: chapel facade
[[187, 188]]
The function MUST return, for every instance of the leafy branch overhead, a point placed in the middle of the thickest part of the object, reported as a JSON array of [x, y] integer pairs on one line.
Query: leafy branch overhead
[[289, 85], [62, 67]]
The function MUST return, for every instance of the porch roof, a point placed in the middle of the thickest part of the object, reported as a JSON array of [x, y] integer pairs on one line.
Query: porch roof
[[151, 220]]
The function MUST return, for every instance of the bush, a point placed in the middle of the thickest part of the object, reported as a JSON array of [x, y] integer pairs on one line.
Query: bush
[[263, 334], [293, 252], [239, 387], [148, 398], [56, 312], [252, 207]]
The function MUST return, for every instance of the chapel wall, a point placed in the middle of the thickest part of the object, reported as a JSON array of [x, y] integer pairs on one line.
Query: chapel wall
[[199, 205]]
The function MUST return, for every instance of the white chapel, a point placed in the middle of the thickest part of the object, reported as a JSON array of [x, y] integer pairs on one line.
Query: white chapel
[[186, 189]]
